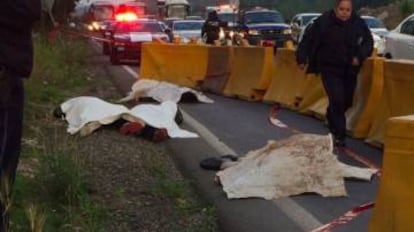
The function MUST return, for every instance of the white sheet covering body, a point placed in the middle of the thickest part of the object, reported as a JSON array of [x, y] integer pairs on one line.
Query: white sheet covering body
[[162, 91], [86, 114], [300, 164]]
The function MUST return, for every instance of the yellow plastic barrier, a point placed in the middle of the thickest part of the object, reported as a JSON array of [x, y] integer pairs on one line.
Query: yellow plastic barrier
[[367, 96], [184, 65], [397, 98], [218, 69], [287, 84], [394, 206], [251, 71], [313, 99]]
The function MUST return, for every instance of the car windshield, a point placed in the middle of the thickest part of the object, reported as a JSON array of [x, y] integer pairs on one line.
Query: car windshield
[[181, 26], [263, 17], [139, 27], [227, 17], [307, 18], [374, 23]]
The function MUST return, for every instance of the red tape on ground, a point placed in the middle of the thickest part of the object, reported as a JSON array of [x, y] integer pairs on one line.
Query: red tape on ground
[[351, 214], [346, 218]]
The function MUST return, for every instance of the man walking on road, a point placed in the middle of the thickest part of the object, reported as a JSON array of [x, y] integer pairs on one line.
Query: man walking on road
[[16, 61], [336, 46]]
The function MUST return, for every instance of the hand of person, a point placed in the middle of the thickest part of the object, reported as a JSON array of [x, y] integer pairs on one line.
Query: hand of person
[[355, 61]]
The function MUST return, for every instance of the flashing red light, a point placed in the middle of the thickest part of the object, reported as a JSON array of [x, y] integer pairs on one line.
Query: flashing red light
[[126, 17]]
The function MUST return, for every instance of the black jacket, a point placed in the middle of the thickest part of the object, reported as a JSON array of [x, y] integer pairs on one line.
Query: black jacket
[[211, 28], [312, 50], [16, 49]]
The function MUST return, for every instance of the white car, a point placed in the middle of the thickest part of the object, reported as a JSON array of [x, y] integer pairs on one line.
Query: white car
[[399, 43], [299, 23], [379, 31], [187, 29]]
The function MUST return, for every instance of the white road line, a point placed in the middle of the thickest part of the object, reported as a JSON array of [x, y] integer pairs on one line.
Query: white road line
[[304, 219], [130, 71]]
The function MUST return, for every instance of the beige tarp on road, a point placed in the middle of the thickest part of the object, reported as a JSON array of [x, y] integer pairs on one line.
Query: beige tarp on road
[[300, 164], [86, 114], [162, 91]]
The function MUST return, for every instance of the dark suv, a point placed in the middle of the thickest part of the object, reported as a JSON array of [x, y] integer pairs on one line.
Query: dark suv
[[262, 24]]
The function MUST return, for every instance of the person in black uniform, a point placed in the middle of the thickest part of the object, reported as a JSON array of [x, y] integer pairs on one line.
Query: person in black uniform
[[16, 61], [335, 46], [211, 27]]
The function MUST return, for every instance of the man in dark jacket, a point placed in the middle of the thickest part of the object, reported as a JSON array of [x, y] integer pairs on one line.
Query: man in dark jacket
[[211, 28], [335, 46], [16, 61]]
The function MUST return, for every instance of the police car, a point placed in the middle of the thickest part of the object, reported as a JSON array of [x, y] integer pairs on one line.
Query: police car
[[128, 36]]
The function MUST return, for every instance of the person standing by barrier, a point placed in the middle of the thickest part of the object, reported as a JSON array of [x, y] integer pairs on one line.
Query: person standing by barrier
[[16, 62], [336, 46], [211, 28]]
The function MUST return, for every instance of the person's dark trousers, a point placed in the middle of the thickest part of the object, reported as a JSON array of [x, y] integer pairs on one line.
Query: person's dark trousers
[[11, 123], [340, 86]]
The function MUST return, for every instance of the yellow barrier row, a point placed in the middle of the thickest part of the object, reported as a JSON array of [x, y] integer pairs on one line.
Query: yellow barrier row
[[367, 96], [394, 207], [286, 84], [184, 65], [251, 72], [397, 97], [255, 73], [218, 69]]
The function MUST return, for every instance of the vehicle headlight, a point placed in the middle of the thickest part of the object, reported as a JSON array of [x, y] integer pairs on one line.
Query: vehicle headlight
[[287, 31], [95, 25], [222, 35], [253, 32]]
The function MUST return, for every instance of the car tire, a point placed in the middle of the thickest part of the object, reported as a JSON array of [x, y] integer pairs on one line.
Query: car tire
[[113, 58], [105, 48], [388, 56]]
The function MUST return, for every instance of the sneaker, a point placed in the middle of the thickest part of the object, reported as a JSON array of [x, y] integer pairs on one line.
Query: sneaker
[[130, 128]]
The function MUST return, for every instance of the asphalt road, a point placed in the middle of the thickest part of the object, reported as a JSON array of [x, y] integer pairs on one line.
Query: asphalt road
[[235, 126]]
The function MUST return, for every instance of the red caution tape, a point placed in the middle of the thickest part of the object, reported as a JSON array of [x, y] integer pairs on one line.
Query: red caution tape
[[346, 218]]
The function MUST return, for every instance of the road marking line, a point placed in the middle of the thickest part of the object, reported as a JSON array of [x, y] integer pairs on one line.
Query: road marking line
[[130, 71], [303, 218]]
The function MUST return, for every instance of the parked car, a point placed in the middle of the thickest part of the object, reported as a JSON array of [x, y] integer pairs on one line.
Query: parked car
[[299, 23], [127, 38], [187, 29], [379, 31], [399, 43], [261, 24]]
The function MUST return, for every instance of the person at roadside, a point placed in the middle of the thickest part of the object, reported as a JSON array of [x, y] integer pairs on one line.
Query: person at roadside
[[335, 46], [16, 61], [211, 28]]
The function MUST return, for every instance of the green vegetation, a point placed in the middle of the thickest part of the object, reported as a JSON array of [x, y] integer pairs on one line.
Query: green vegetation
[[50, 192]]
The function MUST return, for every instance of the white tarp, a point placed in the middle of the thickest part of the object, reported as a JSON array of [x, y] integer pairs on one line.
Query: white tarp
[[86, 114], [162, 91], [300, 164]]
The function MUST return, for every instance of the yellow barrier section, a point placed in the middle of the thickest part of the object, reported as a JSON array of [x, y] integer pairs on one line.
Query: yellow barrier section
[[251, 71], [218, 69], [397, 98], [394, 206], [287, 84], [367, 96], [313, 99], [184, 65]]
